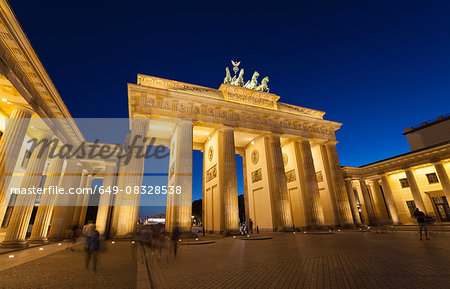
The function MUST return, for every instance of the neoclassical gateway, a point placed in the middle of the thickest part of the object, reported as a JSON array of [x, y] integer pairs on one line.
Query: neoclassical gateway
[[292, 174]]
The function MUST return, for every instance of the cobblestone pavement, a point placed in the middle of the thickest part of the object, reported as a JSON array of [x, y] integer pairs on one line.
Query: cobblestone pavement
[[341, 260], [66, 269]]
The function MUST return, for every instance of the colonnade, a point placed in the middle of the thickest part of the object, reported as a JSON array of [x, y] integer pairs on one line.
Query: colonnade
[[266, 181], [267, 199], [57, 212], [380, 206]]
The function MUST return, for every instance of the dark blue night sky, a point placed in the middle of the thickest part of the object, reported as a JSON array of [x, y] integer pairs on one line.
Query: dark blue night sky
[[376, 66]]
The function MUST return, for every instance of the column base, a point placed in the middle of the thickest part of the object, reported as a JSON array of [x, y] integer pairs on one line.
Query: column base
[[38, 240], [55, 239], [124, 237], [284, 229], [231, 233], [349, 226], [15, 244]]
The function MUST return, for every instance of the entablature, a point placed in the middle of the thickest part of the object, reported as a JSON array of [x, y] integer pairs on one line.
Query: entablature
[[401, 162], [178, 104]]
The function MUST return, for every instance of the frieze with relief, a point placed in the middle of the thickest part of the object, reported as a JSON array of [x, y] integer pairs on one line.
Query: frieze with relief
[[211, 173], [255, 157], [319, 176], [285, 159], [290, 176], [210, 153], [256, 175], [189, 108]]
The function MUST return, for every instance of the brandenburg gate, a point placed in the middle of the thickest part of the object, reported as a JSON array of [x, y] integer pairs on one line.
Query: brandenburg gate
[[292, 174]]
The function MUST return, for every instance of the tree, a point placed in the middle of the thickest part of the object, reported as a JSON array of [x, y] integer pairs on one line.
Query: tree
[[197, 209]]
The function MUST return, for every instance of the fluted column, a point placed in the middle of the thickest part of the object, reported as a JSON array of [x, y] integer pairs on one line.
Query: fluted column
[[281, 208], [329, 183], [227, 164], [380, 207], [10, 145], [308, 182], [63, 210], [131, 175], [418, 200], [79, 202], [182, 203], [390, 200], [368, 203], [342, 202], [246, 197], [104, 205], [20, 218], [353, 203], [85, 203], [443, 178], [45, 209]]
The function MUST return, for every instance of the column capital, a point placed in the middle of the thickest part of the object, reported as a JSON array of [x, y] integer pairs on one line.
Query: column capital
[[45, 133], [224, 128], [23, 108], [183, 122], [331, 142]]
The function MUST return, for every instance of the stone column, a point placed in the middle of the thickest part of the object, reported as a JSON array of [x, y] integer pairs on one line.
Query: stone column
[[182, 203], [10, 145], [380, 207], [203, 192], [45, 209], [443, 178], [20, 218], [85, 203], [79, 201], [415, 190], [227, 165], [368, 203], [104, 205], [246, 197], [390, 200], [353, 203], [342, 202], [131, 175], [63, 210], [329, 183], [281, 208], [308, 182]]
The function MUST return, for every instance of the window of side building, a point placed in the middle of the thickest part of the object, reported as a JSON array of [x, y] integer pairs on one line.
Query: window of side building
[[411, 207], [432, 178], [404, 183]]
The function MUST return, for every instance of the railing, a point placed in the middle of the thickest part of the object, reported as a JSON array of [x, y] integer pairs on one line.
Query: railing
[[441, 117]]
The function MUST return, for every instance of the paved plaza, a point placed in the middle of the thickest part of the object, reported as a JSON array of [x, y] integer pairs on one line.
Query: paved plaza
[[340, 260]]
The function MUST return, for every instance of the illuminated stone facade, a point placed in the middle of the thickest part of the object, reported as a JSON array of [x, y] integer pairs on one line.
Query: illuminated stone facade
[[284, 148], [292, 173], [388, 191]]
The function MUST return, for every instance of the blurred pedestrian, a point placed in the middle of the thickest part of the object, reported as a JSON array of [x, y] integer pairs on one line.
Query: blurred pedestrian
[[175, 237], [420, 216], [250, 226], [92, 248]]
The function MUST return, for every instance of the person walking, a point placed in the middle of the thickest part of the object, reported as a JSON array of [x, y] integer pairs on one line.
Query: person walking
[[421, 222], [92, 248], [250, 226], [175, 237]]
